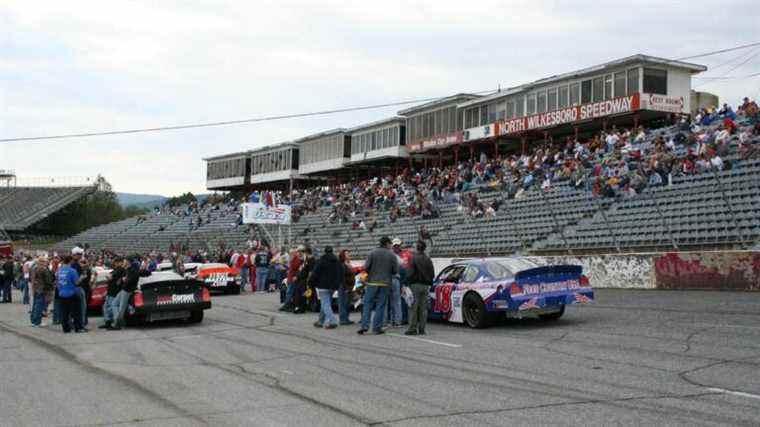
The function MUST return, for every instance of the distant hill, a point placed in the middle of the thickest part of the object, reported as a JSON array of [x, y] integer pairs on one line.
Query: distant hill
[[141, 200], [148, 200]]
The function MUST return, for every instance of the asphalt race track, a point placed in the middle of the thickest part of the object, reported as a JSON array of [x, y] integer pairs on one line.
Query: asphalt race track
[[634, 357]]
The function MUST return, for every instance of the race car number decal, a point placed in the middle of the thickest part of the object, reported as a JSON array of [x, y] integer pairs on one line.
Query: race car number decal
[[175, 299], [443, 298]]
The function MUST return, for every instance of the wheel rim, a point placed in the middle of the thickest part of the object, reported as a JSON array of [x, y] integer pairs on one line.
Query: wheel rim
[[471, 313]]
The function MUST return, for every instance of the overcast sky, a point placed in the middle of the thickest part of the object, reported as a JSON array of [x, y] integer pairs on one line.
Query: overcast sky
[[68, 66]]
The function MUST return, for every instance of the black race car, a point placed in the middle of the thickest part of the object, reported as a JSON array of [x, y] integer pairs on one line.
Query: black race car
[[167, 295]]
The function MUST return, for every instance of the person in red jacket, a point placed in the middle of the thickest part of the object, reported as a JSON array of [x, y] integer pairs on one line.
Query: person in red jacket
[[242, 266], [296, 259]]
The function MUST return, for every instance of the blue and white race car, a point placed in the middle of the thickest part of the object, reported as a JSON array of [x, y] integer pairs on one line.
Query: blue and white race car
[[478, 291]]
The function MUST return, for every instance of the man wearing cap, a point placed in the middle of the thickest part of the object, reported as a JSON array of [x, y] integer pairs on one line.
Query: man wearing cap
[[381, 265], [397, 313], [76, 254], [68, 293]]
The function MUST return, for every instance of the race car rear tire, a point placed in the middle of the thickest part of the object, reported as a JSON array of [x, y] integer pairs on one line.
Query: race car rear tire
[[474, 311], [234, 290], [552, 316], [196, 316]]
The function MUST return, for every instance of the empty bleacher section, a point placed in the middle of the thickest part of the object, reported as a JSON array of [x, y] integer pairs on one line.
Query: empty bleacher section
[[21, 207]]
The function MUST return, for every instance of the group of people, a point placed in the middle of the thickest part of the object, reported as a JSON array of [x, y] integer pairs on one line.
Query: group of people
[[388, 272], [66, 282], [614, 162]]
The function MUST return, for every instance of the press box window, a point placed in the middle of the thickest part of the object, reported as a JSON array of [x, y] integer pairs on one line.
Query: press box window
[[655, 81], [541, 102], [575, 93], [619, 84], [598, 89], [633, 81], [585, 91]]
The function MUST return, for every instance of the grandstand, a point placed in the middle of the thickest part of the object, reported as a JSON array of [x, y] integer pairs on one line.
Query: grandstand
[[23, 206], [715, 207], [708, 210]]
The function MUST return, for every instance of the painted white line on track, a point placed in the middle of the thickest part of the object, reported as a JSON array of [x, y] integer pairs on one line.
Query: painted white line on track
[[735, 393], [412, 337]]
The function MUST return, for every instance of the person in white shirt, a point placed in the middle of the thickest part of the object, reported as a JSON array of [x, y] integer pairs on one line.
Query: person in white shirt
[[717, 162]]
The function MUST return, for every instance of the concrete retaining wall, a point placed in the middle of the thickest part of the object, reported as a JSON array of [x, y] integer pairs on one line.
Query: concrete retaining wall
[[725, 270]]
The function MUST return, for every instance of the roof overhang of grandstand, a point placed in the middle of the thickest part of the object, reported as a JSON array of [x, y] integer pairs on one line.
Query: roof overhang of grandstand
[[634, 59], [227, 156], [368, 126], [438, 103], [319, 135]]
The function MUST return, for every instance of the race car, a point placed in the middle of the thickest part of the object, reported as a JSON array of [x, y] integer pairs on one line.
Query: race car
[[167, 295], [478, 291], [216, 276], [99, 289]]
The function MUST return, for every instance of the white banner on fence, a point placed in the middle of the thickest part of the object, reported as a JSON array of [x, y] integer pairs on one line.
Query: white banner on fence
[[258, 213]]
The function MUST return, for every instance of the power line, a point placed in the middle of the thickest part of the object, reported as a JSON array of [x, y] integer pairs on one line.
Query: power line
[[715, 52], [232, 122], [729, 77], [752, 55], [310, 114]]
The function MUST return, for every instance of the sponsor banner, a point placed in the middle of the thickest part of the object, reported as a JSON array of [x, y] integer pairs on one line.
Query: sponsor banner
[[668, 104], [624, 104], [437, 142], [479, 132], [259, 213]]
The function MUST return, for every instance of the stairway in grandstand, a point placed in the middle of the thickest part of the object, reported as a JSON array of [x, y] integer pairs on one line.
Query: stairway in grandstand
[[21, 207]]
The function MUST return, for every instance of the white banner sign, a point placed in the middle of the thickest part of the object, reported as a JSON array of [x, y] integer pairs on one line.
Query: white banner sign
[[258, 213]]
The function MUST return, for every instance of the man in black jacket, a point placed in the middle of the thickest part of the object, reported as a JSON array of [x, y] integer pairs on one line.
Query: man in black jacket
[[114, 286], [421, 274], [128, 286], [6, 279], [326, 277]]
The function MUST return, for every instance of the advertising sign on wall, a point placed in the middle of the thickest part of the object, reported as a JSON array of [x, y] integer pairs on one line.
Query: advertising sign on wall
[[436, 142], [668, 104], [623, 104], [259, 213]]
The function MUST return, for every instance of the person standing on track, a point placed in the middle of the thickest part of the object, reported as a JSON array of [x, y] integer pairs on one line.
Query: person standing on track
[[6, 280], [381, 265], [420, 276], [262, 261], [326, 278], [128, 286], [68, 294], [302, 281], [293, 266], [43, 287], [114, 286], [346, 286]]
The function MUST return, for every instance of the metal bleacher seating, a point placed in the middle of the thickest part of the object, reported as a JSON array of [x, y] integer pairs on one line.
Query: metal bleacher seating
[[21, 207], [705, 210]]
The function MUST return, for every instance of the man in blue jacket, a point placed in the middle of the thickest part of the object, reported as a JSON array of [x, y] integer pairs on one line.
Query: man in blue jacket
[[68, 293]]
